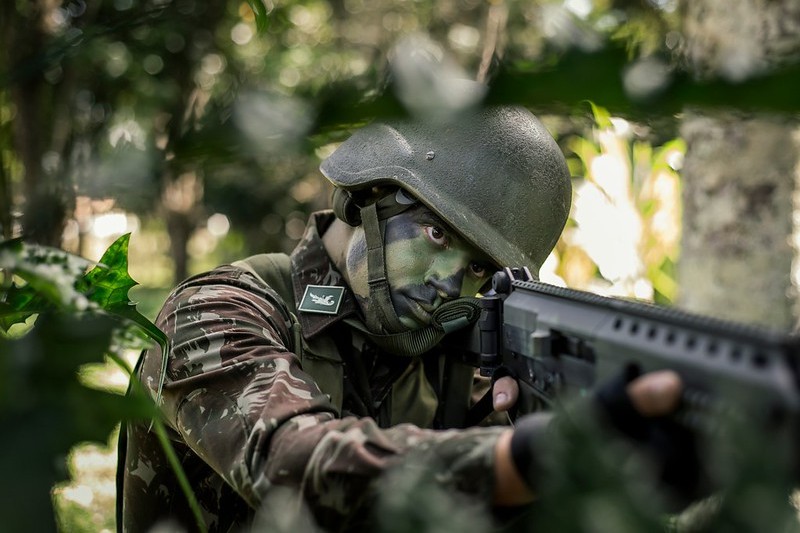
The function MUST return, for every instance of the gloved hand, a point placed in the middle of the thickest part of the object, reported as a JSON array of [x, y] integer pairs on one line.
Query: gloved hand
[[630, 407], [672, 448]]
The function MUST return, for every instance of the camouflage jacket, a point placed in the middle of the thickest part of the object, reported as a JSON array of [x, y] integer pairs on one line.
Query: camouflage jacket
[[249, 422]]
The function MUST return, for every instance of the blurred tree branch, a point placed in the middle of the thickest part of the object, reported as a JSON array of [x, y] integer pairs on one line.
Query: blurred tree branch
[[577, 77]]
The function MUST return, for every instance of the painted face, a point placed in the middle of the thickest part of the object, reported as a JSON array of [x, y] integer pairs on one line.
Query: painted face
[[427, 263]]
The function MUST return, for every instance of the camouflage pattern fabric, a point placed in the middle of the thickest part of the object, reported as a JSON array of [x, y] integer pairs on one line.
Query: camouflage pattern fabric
[[248, 421]]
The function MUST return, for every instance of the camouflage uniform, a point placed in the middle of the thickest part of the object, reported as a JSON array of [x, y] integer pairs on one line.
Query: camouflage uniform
[[250, 412]]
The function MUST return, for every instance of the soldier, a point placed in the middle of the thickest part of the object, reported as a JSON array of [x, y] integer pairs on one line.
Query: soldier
[[318, 372]]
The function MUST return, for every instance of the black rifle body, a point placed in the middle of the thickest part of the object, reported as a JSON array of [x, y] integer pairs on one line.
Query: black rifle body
[[560, 343]]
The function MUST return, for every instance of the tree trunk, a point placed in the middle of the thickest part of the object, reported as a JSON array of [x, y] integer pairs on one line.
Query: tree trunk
[[180, 201], [739, 181], [740, 173], [45, 210], [182, 188]]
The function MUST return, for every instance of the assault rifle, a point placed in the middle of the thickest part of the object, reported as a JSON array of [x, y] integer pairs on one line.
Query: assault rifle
[[561, 343]]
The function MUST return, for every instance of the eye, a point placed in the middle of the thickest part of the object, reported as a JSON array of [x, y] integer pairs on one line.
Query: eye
[[479, 270], [436, 235]]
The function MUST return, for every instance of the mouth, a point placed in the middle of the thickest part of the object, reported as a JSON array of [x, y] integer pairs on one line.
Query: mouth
[[427, 307], [419, 312], [415, 305]]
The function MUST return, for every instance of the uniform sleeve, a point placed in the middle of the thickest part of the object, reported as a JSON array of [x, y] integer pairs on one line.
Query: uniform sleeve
[[239, 399]]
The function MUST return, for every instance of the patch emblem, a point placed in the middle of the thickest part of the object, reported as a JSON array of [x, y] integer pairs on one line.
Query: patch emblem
[[321, 299]]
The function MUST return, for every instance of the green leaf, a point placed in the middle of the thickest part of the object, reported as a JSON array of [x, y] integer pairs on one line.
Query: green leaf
[[19, 304], [552, 86], [108, 284], [601, 116], [55, 279], [260, 11], [45, 411], [48, 272]]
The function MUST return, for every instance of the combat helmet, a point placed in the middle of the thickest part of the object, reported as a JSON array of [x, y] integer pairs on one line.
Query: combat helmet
[[495, 175]]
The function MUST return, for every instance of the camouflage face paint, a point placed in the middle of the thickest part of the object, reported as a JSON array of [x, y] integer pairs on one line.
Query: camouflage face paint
[[427, 263]]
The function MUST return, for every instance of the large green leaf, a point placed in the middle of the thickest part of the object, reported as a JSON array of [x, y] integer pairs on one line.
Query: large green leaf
[[53, 279], [108, 283]]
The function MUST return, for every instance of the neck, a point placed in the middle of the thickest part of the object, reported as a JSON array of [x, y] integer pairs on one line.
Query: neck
[[336, 241]]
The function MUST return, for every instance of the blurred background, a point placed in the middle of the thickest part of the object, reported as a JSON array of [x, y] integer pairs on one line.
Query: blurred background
[[198, 127]]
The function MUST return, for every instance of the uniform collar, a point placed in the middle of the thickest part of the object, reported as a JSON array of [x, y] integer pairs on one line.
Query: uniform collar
[[311, 265]]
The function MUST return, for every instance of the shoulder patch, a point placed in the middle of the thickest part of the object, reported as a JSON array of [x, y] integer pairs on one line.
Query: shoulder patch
[[321, 299]]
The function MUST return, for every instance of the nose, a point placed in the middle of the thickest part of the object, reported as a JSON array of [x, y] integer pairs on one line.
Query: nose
[[446, 274], [447, 288]]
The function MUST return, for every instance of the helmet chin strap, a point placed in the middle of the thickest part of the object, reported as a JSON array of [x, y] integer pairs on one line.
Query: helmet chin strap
[[448, 317], [382, 317], [383, 326]]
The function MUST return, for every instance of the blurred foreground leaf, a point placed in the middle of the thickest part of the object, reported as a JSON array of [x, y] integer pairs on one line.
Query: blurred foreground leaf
[[38, 278], [609, 78], [75, 318], [260, 12], [45, 411], [595, 481]]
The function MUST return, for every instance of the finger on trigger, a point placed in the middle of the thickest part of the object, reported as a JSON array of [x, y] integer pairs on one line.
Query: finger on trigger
[[505, 392]]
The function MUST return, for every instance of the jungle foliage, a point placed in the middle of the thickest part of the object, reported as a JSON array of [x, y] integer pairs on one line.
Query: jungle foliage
[[174, 111]]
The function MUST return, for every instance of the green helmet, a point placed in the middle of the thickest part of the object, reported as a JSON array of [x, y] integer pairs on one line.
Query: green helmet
[[495, 175]]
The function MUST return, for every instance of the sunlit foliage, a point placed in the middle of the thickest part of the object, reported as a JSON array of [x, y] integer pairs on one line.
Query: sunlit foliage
[[623, 237]]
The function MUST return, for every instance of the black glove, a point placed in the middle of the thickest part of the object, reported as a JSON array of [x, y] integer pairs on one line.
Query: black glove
[[670, 448], [529, 447]]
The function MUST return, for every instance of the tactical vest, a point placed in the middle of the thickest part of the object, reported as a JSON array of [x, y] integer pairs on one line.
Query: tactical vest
[[413, 399]]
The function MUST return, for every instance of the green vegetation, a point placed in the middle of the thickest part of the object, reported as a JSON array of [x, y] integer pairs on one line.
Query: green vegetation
[[57, 318], [197, 128]]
